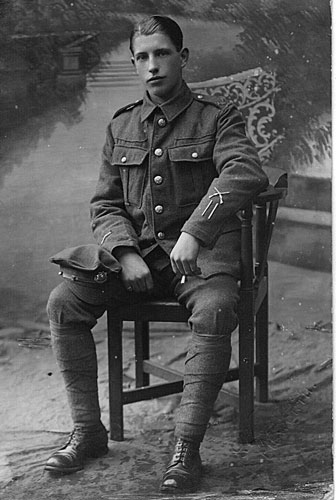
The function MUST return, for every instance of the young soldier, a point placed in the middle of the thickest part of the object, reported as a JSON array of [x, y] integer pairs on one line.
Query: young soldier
[[176, 169]]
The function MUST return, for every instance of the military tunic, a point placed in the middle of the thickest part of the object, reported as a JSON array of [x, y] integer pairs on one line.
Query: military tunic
[[185, 165]]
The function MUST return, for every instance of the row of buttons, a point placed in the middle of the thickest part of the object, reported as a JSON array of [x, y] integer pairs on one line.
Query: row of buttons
[[158, 179]]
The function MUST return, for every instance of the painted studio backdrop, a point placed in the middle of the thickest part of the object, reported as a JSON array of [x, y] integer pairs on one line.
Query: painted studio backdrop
[[64, 70]]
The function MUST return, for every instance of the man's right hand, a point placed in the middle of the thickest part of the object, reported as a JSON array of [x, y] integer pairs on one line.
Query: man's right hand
[[135, 273]]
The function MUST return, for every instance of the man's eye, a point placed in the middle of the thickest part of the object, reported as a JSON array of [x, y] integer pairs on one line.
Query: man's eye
[[141, 57], [162, 53]]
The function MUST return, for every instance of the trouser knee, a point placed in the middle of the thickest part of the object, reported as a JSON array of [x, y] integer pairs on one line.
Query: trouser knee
[[215, 318], [65, 308]]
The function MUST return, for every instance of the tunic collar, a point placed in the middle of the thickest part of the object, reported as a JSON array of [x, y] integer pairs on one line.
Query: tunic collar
[[172, 108]]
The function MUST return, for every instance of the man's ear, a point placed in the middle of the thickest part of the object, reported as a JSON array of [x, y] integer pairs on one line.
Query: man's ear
[[184, 56], [134, 65]]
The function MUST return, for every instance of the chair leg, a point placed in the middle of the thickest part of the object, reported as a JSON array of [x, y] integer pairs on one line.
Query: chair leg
[[115, 364], [262, 243], [246, 369], [141, 331], [246, 333], [262, 351]]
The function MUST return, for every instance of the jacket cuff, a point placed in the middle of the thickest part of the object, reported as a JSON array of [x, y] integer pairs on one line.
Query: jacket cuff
[[125, 245], [206, 240], [110, 243]]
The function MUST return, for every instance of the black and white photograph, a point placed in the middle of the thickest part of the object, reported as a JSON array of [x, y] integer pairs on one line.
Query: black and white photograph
[[166, 250]]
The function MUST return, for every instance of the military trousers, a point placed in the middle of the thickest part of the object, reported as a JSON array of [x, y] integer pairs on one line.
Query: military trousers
[[75, 306]]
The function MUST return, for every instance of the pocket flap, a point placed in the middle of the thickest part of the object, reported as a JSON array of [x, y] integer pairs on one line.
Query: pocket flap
[[127, 156], [191, 152]]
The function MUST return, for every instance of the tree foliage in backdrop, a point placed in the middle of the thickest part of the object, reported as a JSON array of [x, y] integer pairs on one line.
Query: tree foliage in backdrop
[[295, 43], [292, 39]]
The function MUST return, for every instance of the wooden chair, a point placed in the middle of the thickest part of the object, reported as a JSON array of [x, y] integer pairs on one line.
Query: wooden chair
[[254, 92], [253, 327]]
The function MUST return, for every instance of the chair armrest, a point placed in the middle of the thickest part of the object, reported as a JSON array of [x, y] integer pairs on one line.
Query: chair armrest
[[277, 188], [277, 177], [270, 194]]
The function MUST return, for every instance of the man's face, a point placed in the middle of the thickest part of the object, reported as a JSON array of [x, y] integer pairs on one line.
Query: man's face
[[159, 65]]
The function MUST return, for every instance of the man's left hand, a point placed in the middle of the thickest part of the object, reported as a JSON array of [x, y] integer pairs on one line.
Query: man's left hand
[[183, 257]]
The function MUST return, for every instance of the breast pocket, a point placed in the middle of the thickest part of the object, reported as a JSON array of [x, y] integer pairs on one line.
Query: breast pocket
[[132, 163], [192, 171]]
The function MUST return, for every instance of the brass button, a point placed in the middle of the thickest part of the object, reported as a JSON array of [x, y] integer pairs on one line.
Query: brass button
[[200, 96], [158, 209], [158, 179], [123, 159], [161, 235], [162, 122], [194, 154], [158, 152]]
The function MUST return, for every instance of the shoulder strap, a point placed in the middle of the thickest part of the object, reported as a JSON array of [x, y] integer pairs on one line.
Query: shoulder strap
[[127, 108], [216, 100]]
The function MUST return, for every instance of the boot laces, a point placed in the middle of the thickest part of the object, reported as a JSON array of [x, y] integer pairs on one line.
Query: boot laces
[[73, 445], [181, 451], [73, 439]]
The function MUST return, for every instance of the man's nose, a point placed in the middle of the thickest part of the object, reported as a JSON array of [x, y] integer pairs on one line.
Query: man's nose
[[152, 64]]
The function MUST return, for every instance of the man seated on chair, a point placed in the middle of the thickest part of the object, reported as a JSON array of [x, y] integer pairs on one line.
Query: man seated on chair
[[176, 169]]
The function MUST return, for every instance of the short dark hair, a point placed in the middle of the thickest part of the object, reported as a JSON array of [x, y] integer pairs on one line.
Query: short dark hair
[[158, 24]]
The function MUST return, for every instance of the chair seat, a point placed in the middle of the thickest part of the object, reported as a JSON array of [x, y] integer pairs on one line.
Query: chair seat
[[155, 310]]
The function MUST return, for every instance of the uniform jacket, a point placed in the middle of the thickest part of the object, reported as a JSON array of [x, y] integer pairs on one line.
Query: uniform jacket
[[186, 165]]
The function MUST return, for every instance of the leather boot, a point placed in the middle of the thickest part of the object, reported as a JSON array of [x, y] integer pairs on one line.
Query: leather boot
[[184, 470], [83, 443]]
